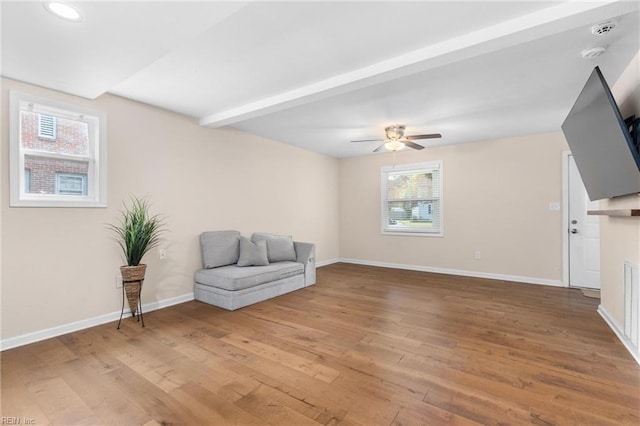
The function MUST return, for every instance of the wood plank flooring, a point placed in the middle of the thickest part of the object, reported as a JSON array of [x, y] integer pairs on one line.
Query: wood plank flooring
[[367, 346]]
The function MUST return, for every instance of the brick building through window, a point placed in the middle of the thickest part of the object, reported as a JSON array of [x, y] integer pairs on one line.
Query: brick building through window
[[50, 145]]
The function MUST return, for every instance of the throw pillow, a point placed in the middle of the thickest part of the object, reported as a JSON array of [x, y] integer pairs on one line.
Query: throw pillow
[[252, 254], [219, 248], [279, 248]]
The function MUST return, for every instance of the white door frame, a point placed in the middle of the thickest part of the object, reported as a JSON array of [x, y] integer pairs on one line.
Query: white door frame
[[565, 218]]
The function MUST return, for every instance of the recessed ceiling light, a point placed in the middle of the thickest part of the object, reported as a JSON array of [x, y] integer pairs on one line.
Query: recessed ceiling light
[[63, 10]]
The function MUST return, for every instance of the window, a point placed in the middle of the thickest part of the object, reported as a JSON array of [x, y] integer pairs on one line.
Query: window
[[412, 199], [27, 180], [57, 154], [71, 184]]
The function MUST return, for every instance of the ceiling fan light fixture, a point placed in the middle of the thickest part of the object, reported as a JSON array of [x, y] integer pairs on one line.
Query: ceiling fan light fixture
[[63, 10], [394, 145]]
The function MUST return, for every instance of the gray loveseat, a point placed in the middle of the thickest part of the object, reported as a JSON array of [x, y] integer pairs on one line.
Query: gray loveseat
[[239, 272]]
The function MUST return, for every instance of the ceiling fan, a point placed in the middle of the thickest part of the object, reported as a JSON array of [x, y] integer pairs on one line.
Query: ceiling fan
[[396, 140]]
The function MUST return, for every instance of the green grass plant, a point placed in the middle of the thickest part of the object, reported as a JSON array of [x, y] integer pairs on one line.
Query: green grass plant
[[137, 230]]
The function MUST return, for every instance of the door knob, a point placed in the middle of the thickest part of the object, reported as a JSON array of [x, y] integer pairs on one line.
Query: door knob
[[574, 231]]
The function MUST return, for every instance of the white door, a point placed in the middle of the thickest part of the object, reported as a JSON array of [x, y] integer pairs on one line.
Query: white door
[[584, 233]]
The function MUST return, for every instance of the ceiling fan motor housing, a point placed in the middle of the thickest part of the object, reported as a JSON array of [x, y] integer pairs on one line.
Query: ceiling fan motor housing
[[395, 131]]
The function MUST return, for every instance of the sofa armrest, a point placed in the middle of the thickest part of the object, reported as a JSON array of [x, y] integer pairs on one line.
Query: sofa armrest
[[306, 254]]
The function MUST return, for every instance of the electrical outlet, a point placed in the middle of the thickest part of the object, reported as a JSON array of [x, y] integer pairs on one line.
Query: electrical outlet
[[477, 254], [162, 253], [118, 280], [554, 207]]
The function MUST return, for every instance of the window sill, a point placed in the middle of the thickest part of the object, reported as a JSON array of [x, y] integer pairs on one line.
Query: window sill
[[413, 234], [58, 203]]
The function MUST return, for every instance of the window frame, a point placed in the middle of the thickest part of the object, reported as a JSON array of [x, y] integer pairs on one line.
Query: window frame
[[425, 167], [97, 156]]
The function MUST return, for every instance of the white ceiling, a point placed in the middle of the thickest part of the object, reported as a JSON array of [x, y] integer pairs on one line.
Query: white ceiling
[[319, 74]]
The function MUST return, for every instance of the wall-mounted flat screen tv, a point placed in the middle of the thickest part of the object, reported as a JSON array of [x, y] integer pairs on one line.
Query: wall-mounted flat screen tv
[[604, 150]]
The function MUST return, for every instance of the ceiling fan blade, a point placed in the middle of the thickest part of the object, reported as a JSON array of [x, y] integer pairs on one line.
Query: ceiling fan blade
[[368, 140], [430, 136], [413, 145], [380, 148]]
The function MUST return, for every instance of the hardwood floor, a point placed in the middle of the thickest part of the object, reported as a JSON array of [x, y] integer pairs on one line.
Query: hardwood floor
[[366, 345]]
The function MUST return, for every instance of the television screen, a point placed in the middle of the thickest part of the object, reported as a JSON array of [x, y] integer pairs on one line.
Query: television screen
[[608, 161]]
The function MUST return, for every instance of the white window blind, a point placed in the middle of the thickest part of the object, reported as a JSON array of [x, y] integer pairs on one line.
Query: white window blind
[[412, 199]]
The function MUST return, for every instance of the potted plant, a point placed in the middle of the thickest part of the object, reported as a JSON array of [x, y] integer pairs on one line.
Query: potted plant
[[137, 232]]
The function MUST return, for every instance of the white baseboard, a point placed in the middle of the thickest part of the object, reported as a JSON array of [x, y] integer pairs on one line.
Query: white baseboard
[[327, 262], [25, 339], [619, 333], [475, 274]]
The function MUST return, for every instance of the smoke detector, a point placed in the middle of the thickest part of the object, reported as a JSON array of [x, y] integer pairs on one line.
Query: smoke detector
[[593, 52], [603, 28]]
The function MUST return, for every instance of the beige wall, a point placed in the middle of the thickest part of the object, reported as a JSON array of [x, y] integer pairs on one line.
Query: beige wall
[[59, 265], [620, 236], [496, 201]]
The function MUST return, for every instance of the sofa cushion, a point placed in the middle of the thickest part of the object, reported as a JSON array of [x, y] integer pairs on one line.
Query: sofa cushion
[[232, 277], [253, 254], [279, 247], [220, 248]]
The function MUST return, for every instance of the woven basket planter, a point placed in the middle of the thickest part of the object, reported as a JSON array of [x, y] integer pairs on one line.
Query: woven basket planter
[[132, 277]]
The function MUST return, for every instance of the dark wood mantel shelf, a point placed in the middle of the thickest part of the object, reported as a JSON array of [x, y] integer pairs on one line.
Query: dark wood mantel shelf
[[621, 213]]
